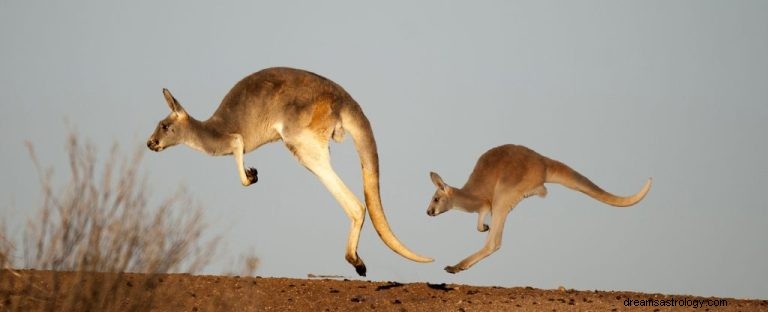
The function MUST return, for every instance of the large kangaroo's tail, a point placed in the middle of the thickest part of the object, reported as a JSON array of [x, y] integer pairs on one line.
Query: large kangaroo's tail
[[558, 172], [358, 126]]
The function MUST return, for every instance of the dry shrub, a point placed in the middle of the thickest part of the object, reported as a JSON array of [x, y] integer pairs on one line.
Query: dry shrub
[[6, 247], [102, 223], [247, 263]]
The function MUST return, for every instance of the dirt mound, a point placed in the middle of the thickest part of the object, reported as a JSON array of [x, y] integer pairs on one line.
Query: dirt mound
[[45, 290]]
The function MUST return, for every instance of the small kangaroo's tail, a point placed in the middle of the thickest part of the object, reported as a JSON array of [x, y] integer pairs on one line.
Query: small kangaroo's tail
[[358, 126], [558, 172]]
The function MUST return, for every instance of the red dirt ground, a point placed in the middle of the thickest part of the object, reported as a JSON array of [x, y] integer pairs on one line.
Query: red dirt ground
[[36, 290]]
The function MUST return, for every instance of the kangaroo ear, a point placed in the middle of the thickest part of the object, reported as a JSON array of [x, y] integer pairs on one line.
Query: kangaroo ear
[[173, 104], [437, 180]]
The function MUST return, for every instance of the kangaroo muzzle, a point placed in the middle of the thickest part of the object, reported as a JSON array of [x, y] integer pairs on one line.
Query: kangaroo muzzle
[[154, 145], [433, 212]]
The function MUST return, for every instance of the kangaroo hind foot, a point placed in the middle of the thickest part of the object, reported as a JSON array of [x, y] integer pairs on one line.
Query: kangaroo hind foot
[[358, 263]]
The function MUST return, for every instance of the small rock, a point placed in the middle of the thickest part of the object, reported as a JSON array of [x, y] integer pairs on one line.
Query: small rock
[[357, 299]]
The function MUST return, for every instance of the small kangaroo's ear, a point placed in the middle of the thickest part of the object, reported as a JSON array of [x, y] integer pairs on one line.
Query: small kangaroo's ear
[[173, 104], [437, 180]]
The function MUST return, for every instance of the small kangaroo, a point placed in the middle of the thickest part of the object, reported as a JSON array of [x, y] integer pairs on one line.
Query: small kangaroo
[[306, 111], [504, 176]]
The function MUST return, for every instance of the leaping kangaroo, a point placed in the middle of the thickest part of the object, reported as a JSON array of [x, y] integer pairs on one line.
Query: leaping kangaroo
[[503, 176], [306, 111]]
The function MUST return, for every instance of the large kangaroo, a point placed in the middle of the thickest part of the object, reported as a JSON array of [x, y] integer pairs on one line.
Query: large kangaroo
[[305, 110], [504, 176]]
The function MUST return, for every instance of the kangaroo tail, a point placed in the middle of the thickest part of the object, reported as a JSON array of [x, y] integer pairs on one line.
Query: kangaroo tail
[[358, 126], [558, 172]]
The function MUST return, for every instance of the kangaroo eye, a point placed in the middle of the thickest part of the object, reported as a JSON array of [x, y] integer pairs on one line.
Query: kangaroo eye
[[435, 199], [164, 126]]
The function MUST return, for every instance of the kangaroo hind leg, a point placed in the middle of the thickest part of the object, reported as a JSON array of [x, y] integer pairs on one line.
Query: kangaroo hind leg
[[312, 152], [500, 208]]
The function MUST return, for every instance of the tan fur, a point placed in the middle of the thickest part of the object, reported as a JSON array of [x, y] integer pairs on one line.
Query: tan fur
[[305, 111], [503, 176]]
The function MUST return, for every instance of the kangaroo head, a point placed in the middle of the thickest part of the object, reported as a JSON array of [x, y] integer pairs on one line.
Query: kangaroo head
[[442, 201], [173, 129]]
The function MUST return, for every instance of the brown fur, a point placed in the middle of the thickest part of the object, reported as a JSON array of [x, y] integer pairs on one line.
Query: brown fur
[[502, 177], [305, 111]]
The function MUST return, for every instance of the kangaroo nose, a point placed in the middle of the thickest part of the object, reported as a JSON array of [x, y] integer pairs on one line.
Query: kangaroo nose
[[152, 143]]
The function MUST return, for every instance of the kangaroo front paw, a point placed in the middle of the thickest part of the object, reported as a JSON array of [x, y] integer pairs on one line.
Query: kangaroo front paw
[[252, 174], [484, 228], [453, 269]]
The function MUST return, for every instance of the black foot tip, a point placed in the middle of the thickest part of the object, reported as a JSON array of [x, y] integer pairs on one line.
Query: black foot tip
[[360, 269], [252, 174]]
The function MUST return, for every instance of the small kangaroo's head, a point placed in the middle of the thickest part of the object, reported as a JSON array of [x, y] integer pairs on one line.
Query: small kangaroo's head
[[173, 129], [442, 201]]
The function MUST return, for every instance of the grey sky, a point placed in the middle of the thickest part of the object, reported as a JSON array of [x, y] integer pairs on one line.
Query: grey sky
[[619, 90]]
